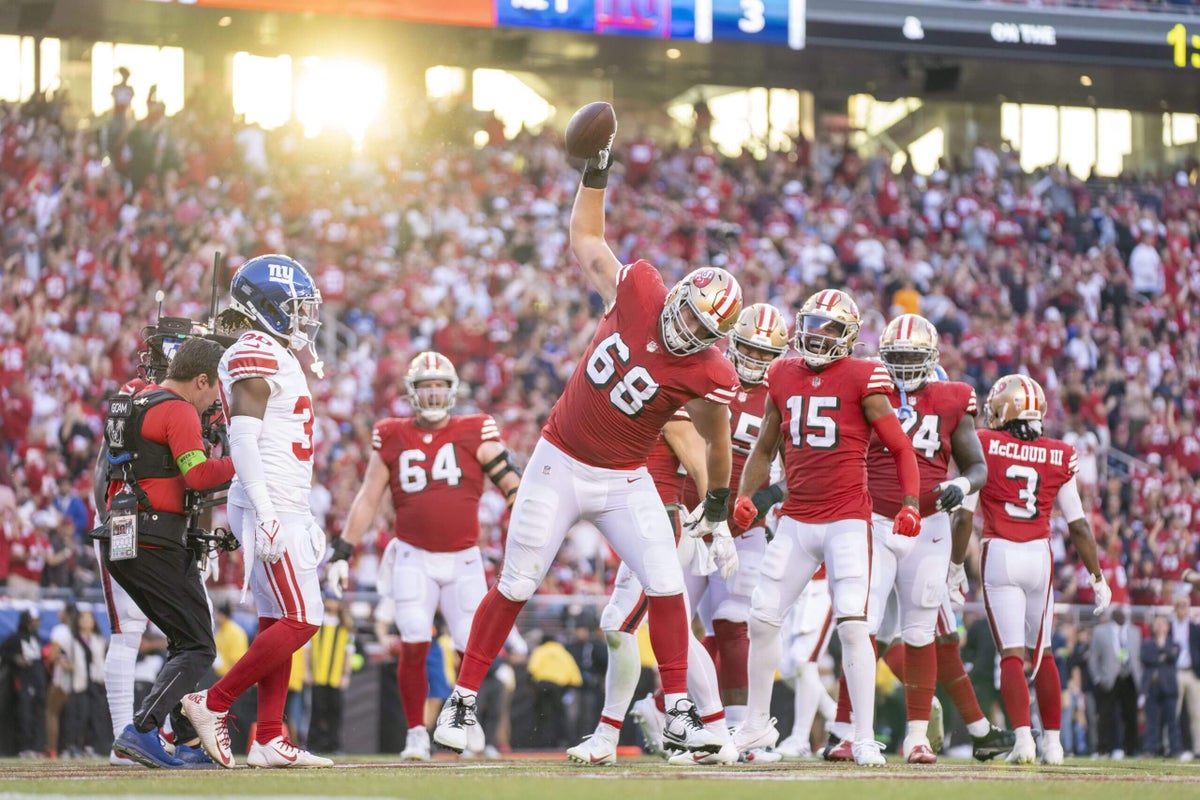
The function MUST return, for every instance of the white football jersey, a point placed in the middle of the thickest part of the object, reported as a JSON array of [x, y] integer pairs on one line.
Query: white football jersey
[[286, 441]]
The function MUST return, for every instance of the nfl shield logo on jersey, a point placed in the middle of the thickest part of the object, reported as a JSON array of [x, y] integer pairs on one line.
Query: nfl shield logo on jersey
[[816, 381]]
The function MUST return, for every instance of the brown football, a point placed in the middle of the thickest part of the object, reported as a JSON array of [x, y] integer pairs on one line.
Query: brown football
[[591, 129]]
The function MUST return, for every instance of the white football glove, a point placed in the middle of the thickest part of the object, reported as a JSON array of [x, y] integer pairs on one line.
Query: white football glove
[[1103, 593], [337, 576], [723, 550], [959, 586], [269, 545]]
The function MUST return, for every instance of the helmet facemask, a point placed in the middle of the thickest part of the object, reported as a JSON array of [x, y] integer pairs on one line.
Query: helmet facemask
[[432, 398], [909, 365], [823, 340], [684, 330]]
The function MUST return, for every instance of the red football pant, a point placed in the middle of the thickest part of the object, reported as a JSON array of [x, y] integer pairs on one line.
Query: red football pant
[[413, 681], [920, 675], [1014, 691], [733, 642], [1048, 685], [493, 622], [952, 677]]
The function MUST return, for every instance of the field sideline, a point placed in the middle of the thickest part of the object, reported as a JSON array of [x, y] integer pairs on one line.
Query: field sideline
[[542, 778]]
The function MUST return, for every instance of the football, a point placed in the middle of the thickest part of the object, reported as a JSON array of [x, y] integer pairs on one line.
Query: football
[[591, 129]]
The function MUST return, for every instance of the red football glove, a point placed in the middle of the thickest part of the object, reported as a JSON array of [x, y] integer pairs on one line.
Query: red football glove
[[744, 512], [908, 522]]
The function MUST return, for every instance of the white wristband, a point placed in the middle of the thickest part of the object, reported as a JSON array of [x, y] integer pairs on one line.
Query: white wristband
[[961, 483], [247, 462]]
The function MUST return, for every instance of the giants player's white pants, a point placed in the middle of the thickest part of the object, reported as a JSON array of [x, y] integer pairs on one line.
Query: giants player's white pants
[[913, 571], [1018, 593], [289, 588], [422, 582], [558, 491], [127, 623]]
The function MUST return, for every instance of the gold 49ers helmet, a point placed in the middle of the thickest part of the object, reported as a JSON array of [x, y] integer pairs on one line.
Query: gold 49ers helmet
[[827, 327], [431, 403], [1015, 398], [700, 309], [759, 337], [909, 350]]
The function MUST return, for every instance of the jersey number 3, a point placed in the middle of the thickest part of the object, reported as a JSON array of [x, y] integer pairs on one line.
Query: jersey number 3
[[444, 468], [1027, 494], [634, 389], [303, 449]]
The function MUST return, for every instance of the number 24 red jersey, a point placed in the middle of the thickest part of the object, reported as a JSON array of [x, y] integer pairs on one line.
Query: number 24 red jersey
[[435, 478]]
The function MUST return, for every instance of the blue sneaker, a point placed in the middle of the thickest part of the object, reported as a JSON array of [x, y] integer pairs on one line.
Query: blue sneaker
[[193, 757], [144, 748]]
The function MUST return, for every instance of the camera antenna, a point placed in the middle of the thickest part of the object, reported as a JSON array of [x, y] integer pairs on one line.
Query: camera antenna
[[212, 306]]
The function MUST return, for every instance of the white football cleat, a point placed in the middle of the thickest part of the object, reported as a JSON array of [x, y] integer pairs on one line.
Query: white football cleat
[[868, 753], [1024, 750], [595, 750], [794, 748], [1052, 749], [728, 754], [118, 760], [210, 727], [458, 714], [747, 737], [651, 721], [684, 730], [416, 745], [937, 726], [282, 754]]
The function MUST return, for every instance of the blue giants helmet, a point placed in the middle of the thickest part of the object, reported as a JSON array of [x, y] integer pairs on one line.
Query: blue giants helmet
[[280, 295]]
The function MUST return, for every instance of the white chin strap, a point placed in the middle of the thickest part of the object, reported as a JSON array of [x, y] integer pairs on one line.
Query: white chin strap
[[298, 341], [434, 414]]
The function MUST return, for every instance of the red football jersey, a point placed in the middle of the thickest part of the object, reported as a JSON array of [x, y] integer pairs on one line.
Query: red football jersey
[[826, 435], [1023, 481], [627, 386], [745, 421], [939, 408], [664, 467], [436, 479]]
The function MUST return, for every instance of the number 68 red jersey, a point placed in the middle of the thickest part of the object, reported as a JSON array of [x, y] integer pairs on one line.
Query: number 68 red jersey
[[1023, 481], [435, 478]]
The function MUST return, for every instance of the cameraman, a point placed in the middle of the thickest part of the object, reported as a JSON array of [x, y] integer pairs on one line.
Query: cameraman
[[157, 453]]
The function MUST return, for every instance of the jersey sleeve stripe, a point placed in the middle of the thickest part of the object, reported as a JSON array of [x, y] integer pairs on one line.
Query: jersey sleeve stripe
[[715, 398], [376, 441], [249, 372], [243, 360], [622, 273], [681, 413], [730, 392]]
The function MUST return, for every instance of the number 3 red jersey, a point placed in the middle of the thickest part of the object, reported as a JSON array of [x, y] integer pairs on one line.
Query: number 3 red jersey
[[435, 478], [1023, 482], [826, 435], [627, 386], [939, 408]]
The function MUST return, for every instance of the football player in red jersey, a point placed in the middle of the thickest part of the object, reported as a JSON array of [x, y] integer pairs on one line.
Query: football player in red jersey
[[939, 417], [759, 338], [652, 353], [1027, 473], [434, 465], [827, 403]]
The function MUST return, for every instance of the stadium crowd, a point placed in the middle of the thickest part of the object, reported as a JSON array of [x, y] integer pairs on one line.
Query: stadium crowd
[[1092, 287]]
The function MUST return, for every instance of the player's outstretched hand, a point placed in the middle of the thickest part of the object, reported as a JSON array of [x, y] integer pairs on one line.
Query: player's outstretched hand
[[1103, 594], [703, 520], [908, 522], [269, 545], [957, 581], [951, 493], [723, 550], [337, 576]]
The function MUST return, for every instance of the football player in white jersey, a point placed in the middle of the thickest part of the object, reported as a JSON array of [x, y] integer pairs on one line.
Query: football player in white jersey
[[271, 442]]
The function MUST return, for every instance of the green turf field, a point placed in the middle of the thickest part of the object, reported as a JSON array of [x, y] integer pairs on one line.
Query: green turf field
[[554, 779]]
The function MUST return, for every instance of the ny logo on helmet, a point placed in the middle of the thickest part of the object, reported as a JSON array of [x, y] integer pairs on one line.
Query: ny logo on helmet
[[281, 273]]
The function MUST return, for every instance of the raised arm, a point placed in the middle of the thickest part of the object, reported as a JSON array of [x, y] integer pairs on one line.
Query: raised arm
[[595, 257]]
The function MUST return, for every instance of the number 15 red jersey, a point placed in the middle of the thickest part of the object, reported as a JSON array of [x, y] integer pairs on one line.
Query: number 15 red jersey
[[435, 478], [826, 435]]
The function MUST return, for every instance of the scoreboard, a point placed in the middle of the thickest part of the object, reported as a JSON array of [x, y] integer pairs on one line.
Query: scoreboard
[[776, 22]]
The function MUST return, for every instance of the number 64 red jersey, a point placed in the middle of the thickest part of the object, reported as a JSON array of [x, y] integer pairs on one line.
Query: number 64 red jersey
[[1022, 484], [435, 478]]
